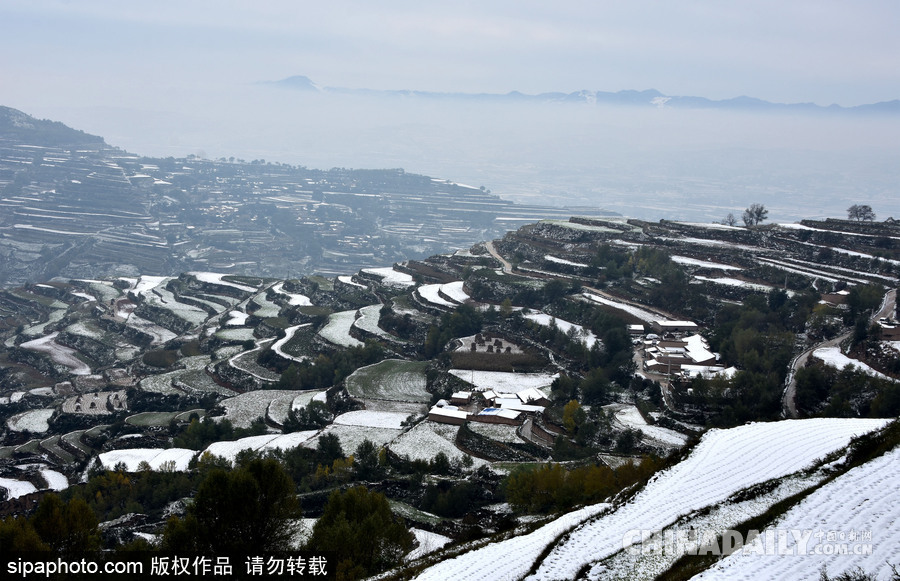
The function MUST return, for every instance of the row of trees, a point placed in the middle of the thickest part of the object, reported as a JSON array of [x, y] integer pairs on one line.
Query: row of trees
[[757, 213]]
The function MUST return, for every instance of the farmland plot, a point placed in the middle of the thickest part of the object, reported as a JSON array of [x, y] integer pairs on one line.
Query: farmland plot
[[294, 299], [586, 336], [504, 382], [630, 417], [391, 277], [262, 444], [863, 499], [391, 379], [158, 458], [31, 421], [59, 354], [280, 345], [280, 404], [426, 439], [352, 436], [242, 409], [17, 488], [337, 330], [509, 559], [724, 462], [368, 321]]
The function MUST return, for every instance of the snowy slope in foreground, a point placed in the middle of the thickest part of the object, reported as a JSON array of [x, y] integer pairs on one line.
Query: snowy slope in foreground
[[863, 499], [724, 462], [509, 559]]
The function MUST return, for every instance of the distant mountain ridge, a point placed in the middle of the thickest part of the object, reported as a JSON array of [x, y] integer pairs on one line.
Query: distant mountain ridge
[[18, 126], [648, 98]]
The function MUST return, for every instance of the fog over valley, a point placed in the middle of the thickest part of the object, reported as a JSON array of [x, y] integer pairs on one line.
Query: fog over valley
[[644, 161]]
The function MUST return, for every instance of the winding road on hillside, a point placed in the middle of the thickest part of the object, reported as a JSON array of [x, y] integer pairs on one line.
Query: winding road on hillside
[[789, 403]]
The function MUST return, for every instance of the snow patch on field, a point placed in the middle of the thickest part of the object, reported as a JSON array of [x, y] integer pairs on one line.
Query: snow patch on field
[[587, 337], [833, 357], [629, 416], [215, 278], [17, 488], [509, 559], [391, 277], [337, 330], [429, 542], [863, 499], [156, 457], [55, 480], [686, 260], [230, 450], [504, 382], [31, 421], [295, 300], [724, 462], [371, 419], [431, 293], [638, 312], [58, 353], [551, 258]]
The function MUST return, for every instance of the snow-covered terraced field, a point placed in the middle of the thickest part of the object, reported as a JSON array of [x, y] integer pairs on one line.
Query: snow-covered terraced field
[[281, 404], [337, 330], [230, 450], [431, 293], [368, 321], [33, 421], [371, 419], [833, 357], [509, 559], [352, 436], [215, 278], [865, 499], [557, 260], [688, 261], [289, 333], [391, 379], [162, 383], [294, 299], [163, 298], [242, 409], [724, 462], [638, 312], [246, 362], [266, 308], [454, 291], [587, 337], [498, 432], [504, 382], [629, 416], [239, 334], [728, 281], [58, 353], [391, 277], [16, 488], [159, 334], [426, 439], [179, 458]]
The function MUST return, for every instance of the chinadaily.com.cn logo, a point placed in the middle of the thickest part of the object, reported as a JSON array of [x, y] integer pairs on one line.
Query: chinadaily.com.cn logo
[[690, 541]]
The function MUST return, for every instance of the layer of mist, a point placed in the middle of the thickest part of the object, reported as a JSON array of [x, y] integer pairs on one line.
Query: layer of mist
[[652, 162]]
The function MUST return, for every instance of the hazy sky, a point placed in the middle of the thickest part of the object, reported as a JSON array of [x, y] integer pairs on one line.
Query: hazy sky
[[97, 51]]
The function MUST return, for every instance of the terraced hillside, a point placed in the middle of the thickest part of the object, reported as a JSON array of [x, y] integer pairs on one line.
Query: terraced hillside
[[605, 375]]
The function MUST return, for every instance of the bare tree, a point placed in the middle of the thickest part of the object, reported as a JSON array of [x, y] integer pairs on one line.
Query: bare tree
[[755, 214], [860, 212], [730, 220]]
